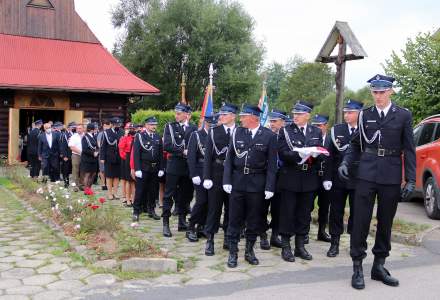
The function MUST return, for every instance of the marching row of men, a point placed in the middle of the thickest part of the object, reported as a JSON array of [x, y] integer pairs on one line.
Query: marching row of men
[[242, 171]]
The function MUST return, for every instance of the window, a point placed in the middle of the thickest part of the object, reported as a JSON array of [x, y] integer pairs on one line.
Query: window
[[416, 132], [437, 132], [427, 134], [40, 3]]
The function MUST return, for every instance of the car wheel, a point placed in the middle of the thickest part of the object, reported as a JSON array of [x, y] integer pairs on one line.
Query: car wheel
[[431, 198]]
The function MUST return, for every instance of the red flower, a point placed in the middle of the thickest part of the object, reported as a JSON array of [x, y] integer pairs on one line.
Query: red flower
[[94, 207], [101, 200], [88, 191]]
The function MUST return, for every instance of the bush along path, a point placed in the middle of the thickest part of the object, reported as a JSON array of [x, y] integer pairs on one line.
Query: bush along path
[[105, 253]]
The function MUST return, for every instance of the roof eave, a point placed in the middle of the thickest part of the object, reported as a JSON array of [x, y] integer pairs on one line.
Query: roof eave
[[79, 90]]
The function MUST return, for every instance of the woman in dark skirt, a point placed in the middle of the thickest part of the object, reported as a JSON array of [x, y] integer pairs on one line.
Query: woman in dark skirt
[[109, 155], [125, 149], [89, 156]]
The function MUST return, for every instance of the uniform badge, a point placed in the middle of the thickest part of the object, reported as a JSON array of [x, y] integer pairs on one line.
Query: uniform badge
[[377, 77]]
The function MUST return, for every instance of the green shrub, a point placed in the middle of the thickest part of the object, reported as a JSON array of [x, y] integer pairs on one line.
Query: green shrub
[[162, 117]]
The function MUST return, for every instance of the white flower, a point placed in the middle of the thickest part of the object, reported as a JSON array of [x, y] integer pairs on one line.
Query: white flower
[[78, 219], [73, 184], [40, 191], [47, 198], [77, 226], [70, 207], [57, 182], [54, 199], [134, 225], [53, 208], [66, 196]]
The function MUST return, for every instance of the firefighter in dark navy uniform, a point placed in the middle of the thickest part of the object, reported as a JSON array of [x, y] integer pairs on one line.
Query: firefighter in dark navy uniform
[[250, 176], [66, 153], [277, 120], [148, 166], [34, 162], [196, 159], [323, 193], [298, 180], [385, 134], [340, 137], [217, 145], [178, 186]]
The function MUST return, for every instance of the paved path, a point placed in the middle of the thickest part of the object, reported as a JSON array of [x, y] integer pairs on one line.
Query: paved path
[[34, 264]]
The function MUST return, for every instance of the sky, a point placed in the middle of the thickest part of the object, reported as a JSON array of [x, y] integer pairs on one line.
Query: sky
[[297, 27]]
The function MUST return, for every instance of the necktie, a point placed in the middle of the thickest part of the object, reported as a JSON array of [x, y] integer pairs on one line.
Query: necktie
[[228, 131], [302, 130], [382, 115], [352, 129]]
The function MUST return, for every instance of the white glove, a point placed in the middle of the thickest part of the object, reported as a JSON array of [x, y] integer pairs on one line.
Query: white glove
[[196, 180], [227, 188], [268, 195], [207, 184], [160, 173], [327, 185], [138, 174], [315, 154]]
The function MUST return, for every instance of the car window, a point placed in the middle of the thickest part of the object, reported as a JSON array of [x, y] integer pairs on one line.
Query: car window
[[437, 132], [416, 132], [427, 134]]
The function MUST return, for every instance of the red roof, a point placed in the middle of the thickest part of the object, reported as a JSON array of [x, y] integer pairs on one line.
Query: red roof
[[45, 64]]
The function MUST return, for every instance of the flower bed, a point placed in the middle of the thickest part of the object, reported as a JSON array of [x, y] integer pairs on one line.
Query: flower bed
[[85, 216]]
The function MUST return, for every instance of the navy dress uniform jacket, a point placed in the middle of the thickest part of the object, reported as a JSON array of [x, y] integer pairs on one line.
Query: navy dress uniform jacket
[[150, 158], [177, 164], [214, 162], [261, 161], [196, 153], [293, 177], [338, 145], [396, 139]]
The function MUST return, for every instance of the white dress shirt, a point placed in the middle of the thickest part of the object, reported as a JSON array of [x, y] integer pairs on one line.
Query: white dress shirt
[[385, 110], [254, 131], [49, 139]]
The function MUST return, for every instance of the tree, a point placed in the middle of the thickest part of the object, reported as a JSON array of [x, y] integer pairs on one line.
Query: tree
[[158, 34], [417, 73], [306, 81], [327, 105], [274, 74]]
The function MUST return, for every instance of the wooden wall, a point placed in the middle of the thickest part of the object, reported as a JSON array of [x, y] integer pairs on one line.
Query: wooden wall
[[4, 120], [98, 107], [61, 23]]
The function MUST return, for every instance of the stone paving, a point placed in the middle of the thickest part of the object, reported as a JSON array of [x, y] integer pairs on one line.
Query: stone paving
[[35, 265]]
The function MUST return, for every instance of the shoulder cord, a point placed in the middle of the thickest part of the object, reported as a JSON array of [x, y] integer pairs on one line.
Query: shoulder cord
[[288, 140], [361, 128], [340, 149], [142, 143], [173, 140], [239, 155], [88, 142], [224, 150], [199, 144], [108, 142]]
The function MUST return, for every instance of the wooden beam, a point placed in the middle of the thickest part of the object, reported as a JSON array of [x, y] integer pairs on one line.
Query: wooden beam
[[340, 79], [332, 59]]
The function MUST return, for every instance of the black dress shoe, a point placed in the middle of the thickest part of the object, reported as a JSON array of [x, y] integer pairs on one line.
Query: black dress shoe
[[264, 243], [300, 250], [379, 273], [191, 235], [275, 241], [357, 280], [209, 248], [232, 260], [322, 235], [287, 255], [249, 254], [166, 227], [152, 214], [135, 218], [334, 247], [182, 225]]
